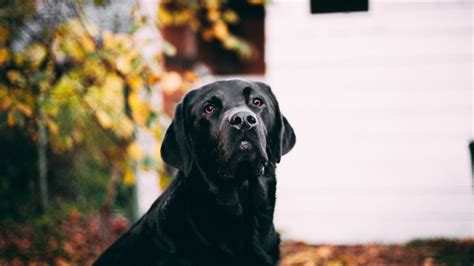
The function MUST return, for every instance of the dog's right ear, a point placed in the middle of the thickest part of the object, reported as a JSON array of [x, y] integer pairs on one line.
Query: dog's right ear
[[176, 148]]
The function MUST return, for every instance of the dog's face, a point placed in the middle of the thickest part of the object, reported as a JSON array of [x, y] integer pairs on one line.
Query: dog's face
[[230, 129]]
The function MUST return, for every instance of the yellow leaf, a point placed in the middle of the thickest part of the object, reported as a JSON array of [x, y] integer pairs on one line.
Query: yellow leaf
[[108, 40], [88, 44], [73, 49], [157, 133], [213, 15], [157, 151], [113, 83], [257, 2], [36, 54], [231, 43], [3, 55], [124, 127], [164, 179], [133, 54], [220, 30], [63, 88], [134, 151], [15, 77], [110, 96], [134, 100], [140, 109], [95, 69], [182, 17], [245, 51], [123, 64], [230, 16], [163, 17], [212, 4], [52, 127], [129, 177], [135, 82], [103, 118], [18, 58]]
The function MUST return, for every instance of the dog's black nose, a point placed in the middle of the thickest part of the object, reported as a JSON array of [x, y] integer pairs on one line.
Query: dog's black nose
[[243, 120]]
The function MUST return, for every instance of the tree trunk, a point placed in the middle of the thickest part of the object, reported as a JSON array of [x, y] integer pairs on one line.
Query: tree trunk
[[42, 160]]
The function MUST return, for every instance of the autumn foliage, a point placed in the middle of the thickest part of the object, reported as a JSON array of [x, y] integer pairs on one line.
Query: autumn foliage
[[427, 252], [77, 77], [73, 240], [211, 19], [83, 91], [78, 94]]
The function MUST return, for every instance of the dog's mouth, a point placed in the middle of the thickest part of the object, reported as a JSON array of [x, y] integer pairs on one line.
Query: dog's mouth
[[245, 145], [249, 146], [247, 158]]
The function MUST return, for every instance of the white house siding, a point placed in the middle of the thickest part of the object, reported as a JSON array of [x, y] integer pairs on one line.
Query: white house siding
[[381, 103]]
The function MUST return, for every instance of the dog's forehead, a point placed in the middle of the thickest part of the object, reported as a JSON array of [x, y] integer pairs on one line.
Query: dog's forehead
[[226, 89]]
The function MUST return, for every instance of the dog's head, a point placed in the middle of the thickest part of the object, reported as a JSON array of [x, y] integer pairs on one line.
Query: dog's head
[[229, 129]]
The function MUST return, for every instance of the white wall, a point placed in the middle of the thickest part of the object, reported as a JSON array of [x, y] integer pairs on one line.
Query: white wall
[[381, 103]]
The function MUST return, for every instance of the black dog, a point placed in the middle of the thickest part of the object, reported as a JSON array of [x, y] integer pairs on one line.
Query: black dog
[[226, 139]]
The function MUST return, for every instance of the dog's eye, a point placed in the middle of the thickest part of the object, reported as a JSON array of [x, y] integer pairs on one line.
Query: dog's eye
[[257, 102], [209, 109]]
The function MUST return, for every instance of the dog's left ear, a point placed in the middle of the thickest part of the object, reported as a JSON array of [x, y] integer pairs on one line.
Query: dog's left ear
[[283, 138], [176, 149], [288, 137]]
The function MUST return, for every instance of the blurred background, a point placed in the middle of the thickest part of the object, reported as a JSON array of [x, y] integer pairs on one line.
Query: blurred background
[[379, 94]]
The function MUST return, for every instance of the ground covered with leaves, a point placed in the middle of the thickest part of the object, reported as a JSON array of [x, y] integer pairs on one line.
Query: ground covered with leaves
[[416, 252], [72, 240], [78, 239]]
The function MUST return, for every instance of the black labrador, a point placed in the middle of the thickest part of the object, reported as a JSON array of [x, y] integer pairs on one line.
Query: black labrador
[[226, 139]]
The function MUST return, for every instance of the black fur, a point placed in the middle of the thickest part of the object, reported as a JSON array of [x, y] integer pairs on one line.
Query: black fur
[[219, 208]]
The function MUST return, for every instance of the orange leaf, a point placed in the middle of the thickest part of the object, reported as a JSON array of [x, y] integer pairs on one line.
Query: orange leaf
[[129, 177], [26, 110], [220, 30], [135, 82], [5, 104], [11, 118], [3, 55], [135, 151]]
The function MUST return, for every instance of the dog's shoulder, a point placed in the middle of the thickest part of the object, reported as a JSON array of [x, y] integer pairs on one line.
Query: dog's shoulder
[[145, 241]]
